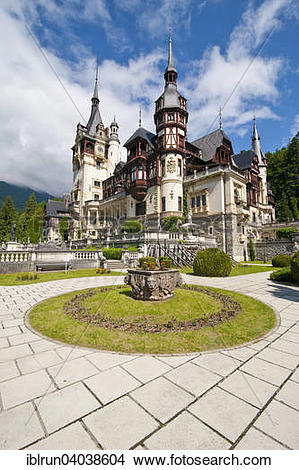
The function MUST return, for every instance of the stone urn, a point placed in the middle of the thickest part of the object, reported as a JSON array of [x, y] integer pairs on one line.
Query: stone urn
[[153, 285]]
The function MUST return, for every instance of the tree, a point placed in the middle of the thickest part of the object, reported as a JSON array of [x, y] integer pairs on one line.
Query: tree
[[133, 226], [283, 176], [8, 215], [284, 214], [251, 250], [64, 228]]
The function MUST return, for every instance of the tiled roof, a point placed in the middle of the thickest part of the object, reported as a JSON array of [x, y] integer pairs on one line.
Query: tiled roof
[[244, 159], [55, 209], [143, 134], [209, 143]]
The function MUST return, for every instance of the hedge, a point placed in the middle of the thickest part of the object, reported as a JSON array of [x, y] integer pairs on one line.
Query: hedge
[[133, 226], [295, 267], [212, 262], [281, 261], [112, 253], [282, 275]]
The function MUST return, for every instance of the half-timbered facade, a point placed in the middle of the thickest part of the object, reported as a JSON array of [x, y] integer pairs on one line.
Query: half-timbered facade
[[227, 195]]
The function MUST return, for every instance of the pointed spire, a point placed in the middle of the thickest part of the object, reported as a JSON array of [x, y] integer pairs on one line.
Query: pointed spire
[[170, 67], [140, 115], [256, 143], [220, 118], [96, 88]]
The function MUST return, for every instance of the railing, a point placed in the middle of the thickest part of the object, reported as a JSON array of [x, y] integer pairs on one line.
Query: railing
[[15, 256]]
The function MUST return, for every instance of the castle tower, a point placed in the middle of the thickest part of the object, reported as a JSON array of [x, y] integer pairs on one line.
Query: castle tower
[[90, 164], [114, 147], [262, 163], [171, 122]]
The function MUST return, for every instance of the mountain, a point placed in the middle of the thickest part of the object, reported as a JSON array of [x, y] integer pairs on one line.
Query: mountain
[[20, 194]]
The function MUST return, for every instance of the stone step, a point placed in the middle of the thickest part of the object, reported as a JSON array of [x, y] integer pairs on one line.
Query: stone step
[[115, 264]]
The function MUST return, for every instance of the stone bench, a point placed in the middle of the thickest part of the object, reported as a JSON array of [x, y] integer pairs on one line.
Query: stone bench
[[53, 266]]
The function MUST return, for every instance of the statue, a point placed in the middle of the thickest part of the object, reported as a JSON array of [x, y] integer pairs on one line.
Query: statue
[[189, 217], [13, 232]]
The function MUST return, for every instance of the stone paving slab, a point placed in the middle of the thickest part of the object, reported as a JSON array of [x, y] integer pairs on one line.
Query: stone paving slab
[[193, 379], [271, 373], [72, 371], [25, 388], [152, 414], [289, 394], [111, 384], [146, 368], [256, 440], [280, 422], [162, 399], [120, 425], [19, 427], [60, 408], [73, 437], [254, 391], [218, 363], [215, 409], [186, 432]]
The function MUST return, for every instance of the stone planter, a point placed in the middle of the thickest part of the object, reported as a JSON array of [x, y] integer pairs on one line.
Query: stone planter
[[153, 285]]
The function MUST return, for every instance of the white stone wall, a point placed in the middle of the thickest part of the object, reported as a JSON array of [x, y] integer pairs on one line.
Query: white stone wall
[[172, 182]]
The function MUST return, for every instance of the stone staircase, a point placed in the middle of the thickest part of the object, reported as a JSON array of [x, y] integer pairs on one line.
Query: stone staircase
[[115, 265]]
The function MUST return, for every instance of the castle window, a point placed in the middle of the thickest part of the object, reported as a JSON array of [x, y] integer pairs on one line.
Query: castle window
[[98, 165], [198, 201], [170, 117], [140, 208], [93, 218], [182, 119], [210, 230], [133, 174], [193, 202], [140, 172], [96, 197], [180, 166], [180, 203], [163, 167], [97, 183], [253, 217], [204, 200], [181, 141], [163, 204]]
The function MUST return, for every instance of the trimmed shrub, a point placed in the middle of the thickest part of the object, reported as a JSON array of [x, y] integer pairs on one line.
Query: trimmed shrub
[[212, 262], [281, 261], [133, 226], [103, 271], [26, 277], [148, 262], [295, 267], [112, 253], [251, 250], [282, 275], [165, 262]]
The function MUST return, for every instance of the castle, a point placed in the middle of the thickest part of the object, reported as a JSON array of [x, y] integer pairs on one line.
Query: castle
[[226, 195]]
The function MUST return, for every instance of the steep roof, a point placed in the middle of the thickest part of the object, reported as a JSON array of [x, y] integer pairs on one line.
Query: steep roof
[[209, 143], [55, 209], [244, 159], [94, 119], [142, 134]]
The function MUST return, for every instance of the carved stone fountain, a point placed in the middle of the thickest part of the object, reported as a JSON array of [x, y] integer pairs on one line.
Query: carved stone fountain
[[153, 285]]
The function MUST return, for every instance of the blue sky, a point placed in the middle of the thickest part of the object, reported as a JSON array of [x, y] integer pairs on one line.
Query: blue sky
[[216, 45]]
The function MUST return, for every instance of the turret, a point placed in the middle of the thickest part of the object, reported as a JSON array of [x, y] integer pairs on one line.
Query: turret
[[114, 147]]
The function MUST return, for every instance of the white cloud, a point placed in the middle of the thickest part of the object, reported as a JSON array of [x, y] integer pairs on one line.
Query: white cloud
[[235, 79], [295, 126], [38, 119]]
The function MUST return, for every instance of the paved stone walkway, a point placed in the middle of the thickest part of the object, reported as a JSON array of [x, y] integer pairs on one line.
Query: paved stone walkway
[[57, 397]]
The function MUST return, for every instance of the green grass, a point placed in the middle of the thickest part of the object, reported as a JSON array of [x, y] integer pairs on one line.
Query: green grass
[[238, 270], [254, 320], [11, 279]]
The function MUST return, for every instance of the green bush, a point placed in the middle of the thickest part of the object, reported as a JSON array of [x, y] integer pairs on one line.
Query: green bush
[[281, 261], [148, 262], [295, 267], [251, 250], [286, 232], [26, 277], [112, 253], [165, 262], [133, 226], [283, 275], [212, 262]]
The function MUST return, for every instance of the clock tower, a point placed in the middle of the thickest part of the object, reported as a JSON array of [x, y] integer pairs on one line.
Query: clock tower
[[171, 123]]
